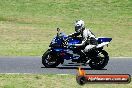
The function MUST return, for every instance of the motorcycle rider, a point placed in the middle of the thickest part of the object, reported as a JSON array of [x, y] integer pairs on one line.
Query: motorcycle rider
[[88, 38]]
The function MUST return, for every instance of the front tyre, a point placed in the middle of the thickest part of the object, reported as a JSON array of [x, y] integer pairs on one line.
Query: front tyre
[[100, 61], [50, 60]]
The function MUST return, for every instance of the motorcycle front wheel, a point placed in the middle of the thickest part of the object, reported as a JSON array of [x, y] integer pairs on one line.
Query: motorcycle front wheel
[[50, 60], [100, 61]]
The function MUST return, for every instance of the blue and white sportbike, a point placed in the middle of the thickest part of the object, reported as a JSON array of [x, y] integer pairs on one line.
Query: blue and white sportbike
[[59, 51]]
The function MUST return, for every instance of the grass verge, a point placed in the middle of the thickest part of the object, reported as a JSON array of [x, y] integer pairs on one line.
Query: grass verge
[[49, 81], [27, 26]]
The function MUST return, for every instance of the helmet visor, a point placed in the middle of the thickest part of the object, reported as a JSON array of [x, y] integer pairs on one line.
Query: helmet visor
[[78, 28]]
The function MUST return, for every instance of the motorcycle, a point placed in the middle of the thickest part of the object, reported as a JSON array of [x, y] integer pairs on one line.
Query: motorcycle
[[59, 51]]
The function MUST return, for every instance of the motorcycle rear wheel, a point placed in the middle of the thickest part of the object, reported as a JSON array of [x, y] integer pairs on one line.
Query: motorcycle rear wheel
[[96, 62], [50, 60]]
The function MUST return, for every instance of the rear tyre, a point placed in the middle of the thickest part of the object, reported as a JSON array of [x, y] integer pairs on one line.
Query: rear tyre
[[50, 60], [100, 62]]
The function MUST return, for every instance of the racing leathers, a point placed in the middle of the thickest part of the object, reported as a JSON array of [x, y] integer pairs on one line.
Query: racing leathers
[[88, 39]]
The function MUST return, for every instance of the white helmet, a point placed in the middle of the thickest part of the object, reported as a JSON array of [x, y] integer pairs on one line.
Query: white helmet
[[79, 25]]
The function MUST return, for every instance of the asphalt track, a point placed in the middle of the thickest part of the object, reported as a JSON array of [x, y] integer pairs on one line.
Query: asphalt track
[[32, 64]]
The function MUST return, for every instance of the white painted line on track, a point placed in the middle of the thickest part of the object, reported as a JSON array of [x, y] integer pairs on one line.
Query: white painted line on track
[[121, 57], [15, 73], [29, 73]]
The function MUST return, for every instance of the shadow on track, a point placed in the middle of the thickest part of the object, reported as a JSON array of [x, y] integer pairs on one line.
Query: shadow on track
[[72, 67], [77, 68]]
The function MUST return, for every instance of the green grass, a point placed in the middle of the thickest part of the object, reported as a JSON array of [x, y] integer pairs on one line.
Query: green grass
[[27, 26], [49, 81]]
